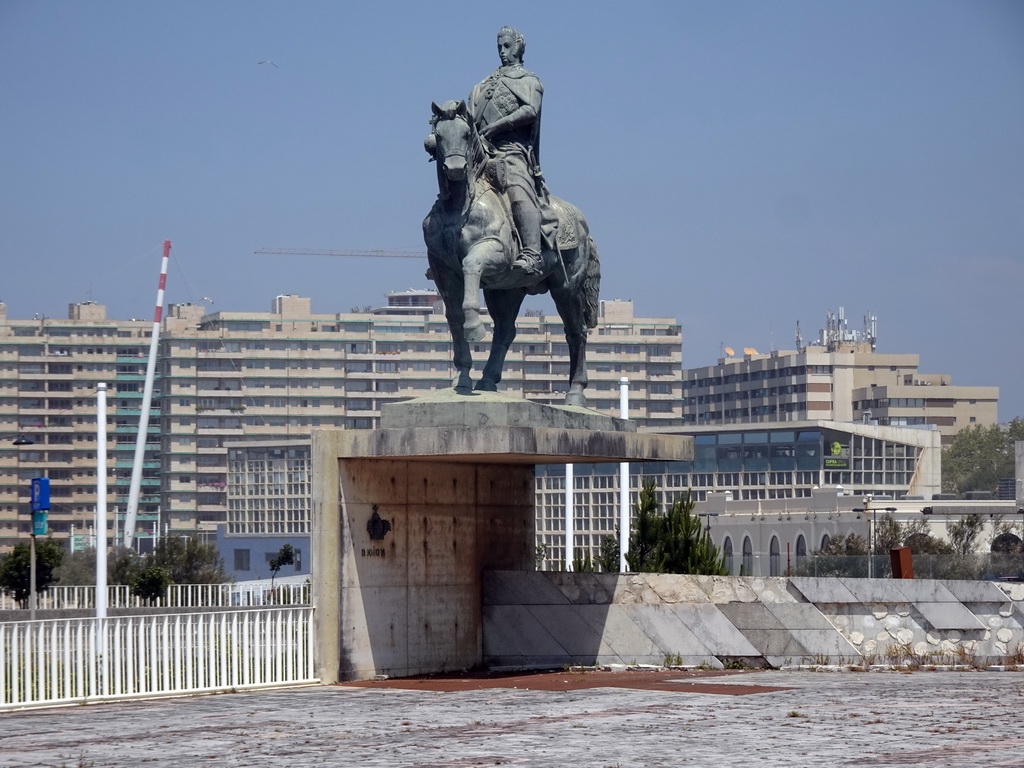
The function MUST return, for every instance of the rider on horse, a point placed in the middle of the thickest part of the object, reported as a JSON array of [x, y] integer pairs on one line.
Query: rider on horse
[[506, 110]]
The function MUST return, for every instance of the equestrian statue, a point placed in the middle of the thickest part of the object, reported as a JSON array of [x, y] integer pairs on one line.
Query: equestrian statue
[[495, 227]]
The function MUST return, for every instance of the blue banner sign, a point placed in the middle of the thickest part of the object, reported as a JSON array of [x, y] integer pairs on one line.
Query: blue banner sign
[[39, 523], [40, 494]]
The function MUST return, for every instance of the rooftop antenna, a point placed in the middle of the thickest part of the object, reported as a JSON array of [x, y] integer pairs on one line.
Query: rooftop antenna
[[871, 329], [799, 337]]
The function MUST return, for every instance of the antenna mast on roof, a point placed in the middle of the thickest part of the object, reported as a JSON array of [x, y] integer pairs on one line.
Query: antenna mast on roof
[[871, 329]]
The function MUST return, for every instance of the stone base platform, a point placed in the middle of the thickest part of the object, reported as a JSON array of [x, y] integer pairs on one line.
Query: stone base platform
[[407, 517]]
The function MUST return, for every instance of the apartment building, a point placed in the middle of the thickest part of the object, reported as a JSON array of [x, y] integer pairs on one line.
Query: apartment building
[[49, 369], [839, 378], [266, 375]]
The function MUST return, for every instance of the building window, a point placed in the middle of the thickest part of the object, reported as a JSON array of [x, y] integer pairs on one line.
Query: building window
[[241, 559], [747, 568], [727, 554], [774, 560]]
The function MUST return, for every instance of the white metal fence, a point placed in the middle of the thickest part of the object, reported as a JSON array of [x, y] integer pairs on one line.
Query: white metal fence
[[177, 596], [78, 660]]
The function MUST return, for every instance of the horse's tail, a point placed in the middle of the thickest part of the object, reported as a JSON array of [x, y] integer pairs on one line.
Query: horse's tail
[[591, 284]]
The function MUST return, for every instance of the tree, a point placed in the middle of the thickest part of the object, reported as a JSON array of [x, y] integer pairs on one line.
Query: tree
[[584, 564], [687, 545], [890, 532], [150, 583], [964, 533], [188, 560], [284, 556], [79, 568], [978, 457], [850, 545], [887, 533], [841, 556], [674, 542], [608, 559], [643, 539], [16, 569]]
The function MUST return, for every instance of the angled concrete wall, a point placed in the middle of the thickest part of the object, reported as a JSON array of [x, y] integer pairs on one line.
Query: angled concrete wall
[[547, 619]]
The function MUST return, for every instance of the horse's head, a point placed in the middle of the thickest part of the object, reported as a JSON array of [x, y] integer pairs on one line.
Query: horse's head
[[452, 142]]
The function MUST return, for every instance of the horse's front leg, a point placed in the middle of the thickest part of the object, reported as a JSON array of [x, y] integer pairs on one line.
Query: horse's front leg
[[482, 256], [504, 308], [449, 285]]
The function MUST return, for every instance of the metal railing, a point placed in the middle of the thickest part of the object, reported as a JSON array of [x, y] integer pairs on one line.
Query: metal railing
[[63, 661], [58, 597]]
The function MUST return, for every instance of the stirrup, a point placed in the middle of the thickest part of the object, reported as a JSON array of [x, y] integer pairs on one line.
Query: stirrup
[[530, 263]]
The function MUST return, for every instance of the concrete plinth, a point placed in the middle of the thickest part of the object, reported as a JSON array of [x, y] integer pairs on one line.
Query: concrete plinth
[[406, 518]]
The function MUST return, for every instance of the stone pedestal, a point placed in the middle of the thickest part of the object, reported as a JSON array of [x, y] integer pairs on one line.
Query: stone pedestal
[[407, 517]]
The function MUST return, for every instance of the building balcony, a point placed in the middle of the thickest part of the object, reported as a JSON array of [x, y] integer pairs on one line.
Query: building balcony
[[223, 432], [131, 463], [122, 429], [136, 412]]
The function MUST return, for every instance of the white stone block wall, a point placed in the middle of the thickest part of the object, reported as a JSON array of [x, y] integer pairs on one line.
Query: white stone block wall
[[547, 619]]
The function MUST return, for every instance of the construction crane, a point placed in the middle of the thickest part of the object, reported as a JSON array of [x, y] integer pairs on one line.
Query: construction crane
[[322, 252]]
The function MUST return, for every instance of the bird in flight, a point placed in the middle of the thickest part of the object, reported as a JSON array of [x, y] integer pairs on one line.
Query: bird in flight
[[268, 62]]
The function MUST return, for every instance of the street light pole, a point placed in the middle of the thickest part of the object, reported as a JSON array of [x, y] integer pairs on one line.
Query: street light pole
[[101, 500], [866, 509], [623, 483], [874, 534], [32, 578], [40, 506]]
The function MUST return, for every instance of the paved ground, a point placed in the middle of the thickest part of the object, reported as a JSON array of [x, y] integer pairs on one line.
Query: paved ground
[[770, 719]]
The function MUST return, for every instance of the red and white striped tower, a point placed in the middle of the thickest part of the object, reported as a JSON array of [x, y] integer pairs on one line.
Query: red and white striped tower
[[147, 398]]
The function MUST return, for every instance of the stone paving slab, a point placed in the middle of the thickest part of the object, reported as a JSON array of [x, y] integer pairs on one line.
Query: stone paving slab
[[824, 719]]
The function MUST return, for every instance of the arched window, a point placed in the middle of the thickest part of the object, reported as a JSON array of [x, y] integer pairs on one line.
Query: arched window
[[774, 561], [747, 569], [825, 540], [801, 551], [727, 553], [1006, 543]]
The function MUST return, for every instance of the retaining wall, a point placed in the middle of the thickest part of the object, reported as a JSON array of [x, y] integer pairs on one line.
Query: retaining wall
[[548, 619]]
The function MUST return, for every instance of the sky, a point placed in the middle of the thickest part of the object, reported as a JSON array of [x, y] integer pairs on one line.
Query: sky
[[744, 165]]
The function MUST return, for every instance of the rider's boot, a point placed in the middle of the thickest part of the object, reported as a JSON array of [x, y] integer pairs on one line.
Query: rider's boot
[[527, 220]]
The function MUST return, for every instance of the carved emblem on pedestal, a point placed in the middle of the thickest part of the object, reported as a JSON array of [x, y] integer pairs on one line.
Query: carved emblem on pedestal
[[377, 526]]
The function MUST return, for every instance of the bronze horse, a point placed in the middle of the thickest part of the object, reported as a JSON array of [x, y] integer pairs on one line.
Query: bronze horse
[[471, 246]]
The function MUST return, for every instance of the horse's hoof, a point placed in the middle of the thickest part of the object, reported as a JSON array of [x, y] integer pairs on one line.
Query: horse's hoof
[[474, 332], [486, 386], [576, 399]]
